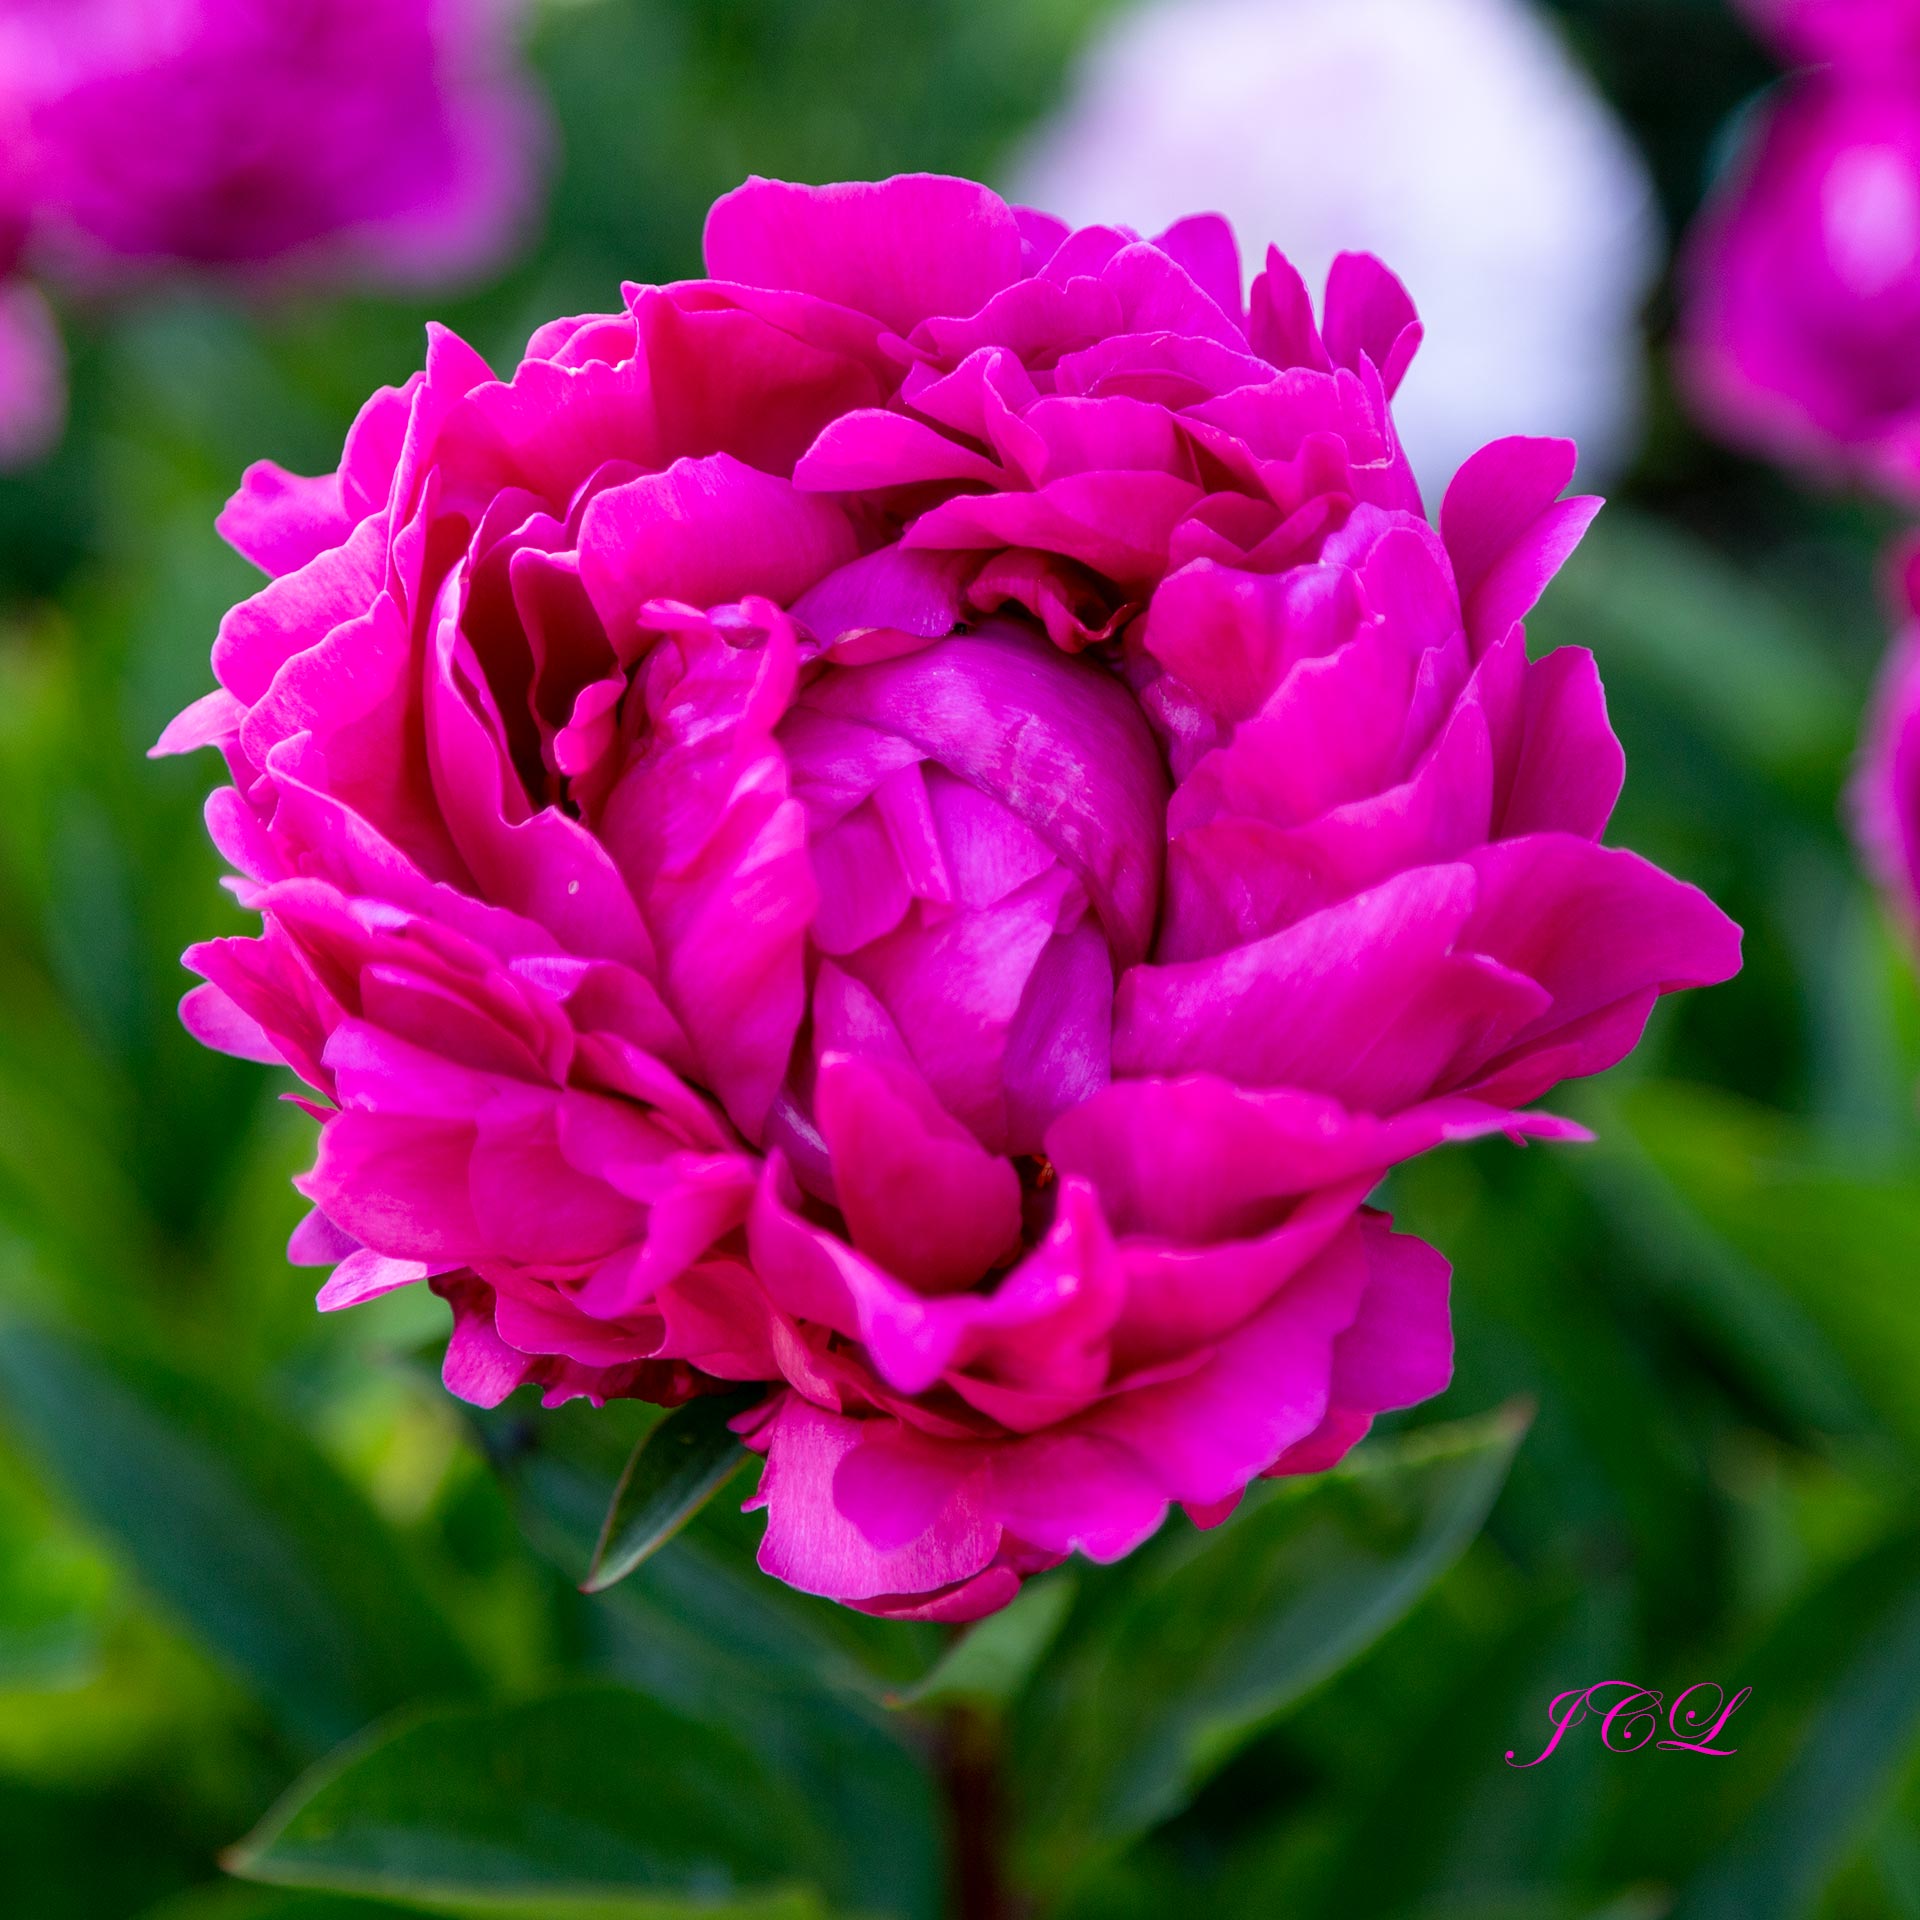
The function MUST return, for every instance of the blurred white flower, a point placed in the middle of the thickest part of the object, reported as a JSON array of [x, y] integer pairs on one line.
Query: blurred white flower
[[1457, 139]]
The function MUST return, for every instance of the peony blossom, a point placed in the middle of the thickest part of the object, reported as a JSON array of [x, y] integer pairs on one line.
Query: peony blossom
[[916, 822], [392, 138], [1457, 138], [1800, 320]]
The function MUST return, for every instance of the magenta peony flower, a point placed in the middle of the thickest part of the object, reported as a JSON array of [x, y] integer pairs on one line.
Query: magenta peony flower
[[390, 137], [917, 822], [1800, 320]]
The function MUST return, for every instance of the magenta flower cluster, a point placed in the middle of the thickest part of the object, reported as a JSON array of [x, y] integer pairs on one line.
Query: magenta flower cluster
[[1800, 320], [916, 822]]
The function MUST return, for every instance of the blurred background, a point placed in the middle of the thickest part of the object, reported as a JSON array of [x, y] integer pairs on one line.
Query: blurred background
[[234, 1533]]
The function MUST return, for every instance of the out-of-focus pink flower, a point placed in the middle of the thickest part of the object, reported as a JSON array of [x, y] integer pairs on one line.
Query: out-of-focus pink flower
[[1458, 139], [917, 822], [393, 138], [33, 366], [33, 375], [1841, 30], [1886, 786], [1800, 320]]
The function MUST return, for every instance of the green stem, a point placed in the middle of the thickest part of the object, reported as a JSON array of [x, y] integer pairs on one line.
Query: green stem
[[970, 1770]]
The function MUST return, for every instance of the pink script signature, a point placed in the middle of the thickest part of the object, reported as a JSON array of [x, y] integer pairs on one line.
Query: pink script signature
[[1630, 1717]]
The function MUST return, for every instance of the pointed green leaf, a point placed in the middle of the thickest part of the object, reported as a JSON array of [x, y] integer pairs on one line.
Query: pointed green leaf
[[678, 1466], [1824, 1245], [996, 1657], [1845, 1763], [588, 1803], [230, 1900], [1227, 1629], [238, 1525], [702, 1629]]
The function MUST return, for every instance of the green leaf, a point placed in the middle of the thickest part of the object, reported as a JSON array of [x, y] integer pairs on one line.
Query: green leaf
[[587, 1802], [236, 1523], [1435, 1811], [1229, 1628], [1655, 604], [678, 1466], [55, 1592], [1846, 1762], [1896, 1855], [994, 1660], [559, 1467], [1828, 1246], [701, 1628], [1755, 1327], [229, 1900], [72, 1229], [720, 1647]]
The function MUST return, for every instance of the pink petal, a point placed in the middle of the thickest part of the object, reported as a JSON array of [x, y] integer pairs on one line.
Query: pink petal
[[899, 249], [703, 532], [813, 1543], [1369, 314], [1508, 530], [921, 1196]]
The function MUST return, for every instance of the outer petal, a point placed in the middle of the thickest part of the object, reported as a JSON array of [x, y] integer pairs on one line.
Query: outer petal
[[926, 1503], [1508, 530], [1269, 1385], [702, 532], [1373, 1001], [1600, 930], [899, 249], [1205, 1158]]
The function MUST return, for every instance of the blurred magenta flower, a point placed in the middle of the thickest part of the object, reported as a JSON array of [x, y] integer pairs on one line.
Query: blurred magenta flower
[[391, 138], [33, 367], [33, 375], [917, 822], [1851, 30], [1473, 152], [1800, 319], [1886, 785]]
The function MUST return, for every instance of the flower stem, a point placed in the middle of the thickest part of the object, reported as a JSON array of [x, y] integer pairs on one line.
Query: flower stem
[[970, 1772]]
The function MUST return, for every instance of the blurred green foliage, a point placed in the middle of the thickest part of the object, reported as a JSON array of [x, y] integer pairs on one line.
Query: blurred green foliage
[[234, 1534]]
